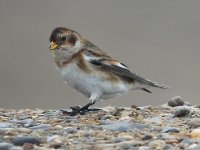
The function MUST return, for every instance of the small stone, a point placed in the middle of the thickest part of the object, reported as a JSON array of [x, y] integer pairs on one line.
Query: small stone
[[51, 138], [169, 147], [147, 137], [5, 125], [19, 141], [105, 122], [116, 140], [109, 109], [28, 146], [193, 147], [124, 126], [54, 141], [126, 118], [118, 112], [194, 123], [181, 112], [18, 148], [41, 127], [26, 121], [125, 136], [70, 130], [5, 146], [24, 130], [187, 142], [176, 101], [23, 117], [157, 144], [154, 120], [144, 148], [167, 137], [198, 106], [170, 129], [129, 143], [134, 106], [106, 117], [195, 133]]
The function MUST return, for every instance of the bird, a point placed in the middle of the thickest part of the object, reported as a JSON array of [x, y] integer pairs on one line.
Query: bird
[[91, 71]]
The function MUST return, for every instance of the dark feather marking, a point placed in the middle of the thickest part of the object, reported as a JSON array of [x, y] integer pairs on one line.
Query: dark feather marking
[[96, 62], [126, 73], [146, 90]]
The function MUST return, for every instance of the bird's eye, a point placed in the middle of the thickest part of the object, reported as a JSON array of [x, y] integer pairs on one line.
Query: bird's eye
[[63, 38]]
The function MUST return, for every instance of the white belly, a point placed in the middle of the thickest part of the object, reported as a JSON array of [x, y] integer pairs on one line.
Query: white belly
[[89, 84]]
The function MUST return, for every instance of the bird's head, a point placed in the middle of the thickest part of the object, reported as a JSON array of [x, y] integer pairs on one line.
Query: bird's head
[[64, 39]]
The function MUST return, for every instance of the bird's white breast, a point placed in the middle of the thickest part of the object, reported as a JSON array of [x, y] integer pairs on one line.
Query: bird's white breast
[[88, 83]]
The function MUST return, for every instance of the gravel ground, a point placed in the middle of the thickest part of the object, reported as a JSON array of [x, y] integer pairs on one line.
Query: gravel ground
[[171, 126]]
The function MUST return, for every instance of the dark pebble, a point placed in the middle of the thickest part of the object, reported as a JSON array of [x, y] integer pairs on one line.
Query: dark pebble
[[176, 101], [181, 112], [19, 141], [147, 137]]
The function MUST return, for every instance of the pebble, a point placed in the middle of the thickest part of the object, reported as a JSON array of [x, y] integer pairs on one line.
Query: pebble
[[170, 129], [168, 138], [193, 147], [195, 133], [109, 109], [144, 148], [41, 127], [23, 117], [106, 117], [18, 148], [186, 142], [28, 146], [147, 128], [55, 141], [5, 146], [124, 126], [194, 123], [124, 136], [70, 130], [169, 147], [198, 106], [126, 118], [21, 140], [147, 137], [157, 144], [26, 121], [5, 125], [181, 112], [176, 101], [154, 120]]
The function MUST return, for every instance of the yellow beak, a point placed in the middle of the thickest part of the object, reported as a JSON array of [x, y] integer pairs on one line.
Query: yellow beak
[[53, 46]]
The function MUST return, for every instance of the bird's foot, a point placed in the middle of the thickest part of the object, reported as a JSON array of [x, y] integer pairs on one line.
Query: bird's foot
[[80, 110]]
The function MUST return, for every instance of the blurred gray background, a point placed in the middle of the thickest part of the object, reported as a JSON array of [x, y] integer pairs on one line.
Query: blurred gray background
[[158, 39]]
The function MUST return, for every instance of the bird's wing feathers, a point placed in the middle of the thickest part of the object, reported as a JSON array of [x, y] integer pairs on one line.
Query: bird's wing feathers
[[101, 59]]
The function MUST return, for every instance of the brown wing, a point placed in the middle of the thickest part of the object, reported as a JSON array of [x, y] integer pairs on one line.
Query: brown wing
[[102, 60]]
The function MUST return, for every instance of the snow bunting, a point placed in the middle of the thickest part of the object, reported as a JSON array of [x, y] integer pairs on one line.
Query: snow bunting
[[92, 71]]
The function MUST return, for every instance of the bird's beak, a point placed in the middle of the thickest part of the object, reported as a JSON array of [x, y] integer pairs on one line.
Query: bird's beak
[[53, 46]]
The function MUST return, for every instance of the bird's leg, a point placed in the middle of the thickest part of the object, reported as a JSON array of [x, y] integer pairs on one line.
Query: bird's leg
[[85, 108]]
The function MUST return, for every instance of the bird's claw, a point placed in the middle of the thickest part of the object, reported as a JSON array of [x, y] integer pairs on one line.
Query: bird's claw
[[79, 110]]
